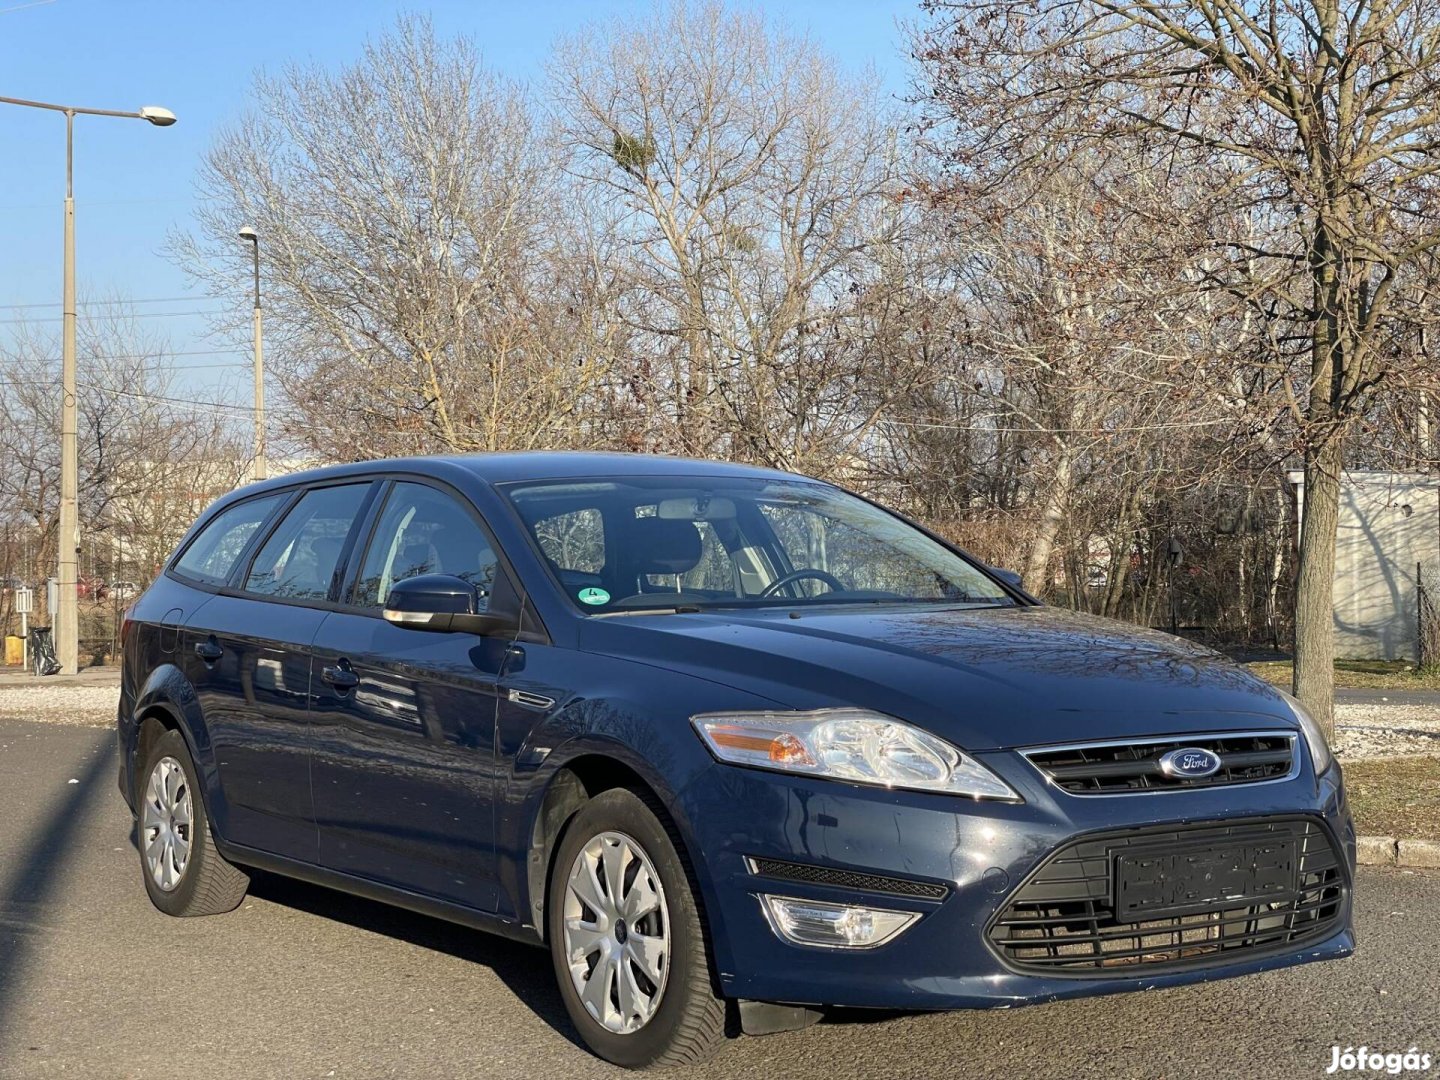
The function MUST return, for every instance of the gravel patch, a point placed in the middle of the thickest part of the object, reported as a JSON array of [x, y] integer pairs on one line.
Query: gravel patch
[[89, 706], [1365, 732]]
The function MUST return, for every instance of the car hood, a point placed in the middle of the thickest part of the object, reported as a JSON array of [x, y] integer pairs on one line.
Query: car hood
[[983, 678]]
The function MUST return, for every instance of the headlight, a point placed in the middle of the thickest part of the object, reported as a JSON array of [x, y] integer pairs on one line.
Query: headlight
[[848, 744], [1314, 737]]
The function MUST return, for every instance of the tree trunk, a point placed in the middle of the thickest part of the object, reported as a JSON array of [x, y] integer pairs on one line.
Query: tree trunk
[[1057, 499], [1277, 567], [1314, 679]]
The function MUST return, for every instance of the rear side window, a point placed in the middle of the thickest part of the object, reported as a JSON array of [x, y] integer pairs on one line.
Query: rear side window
[[300, 557], [212, 554]]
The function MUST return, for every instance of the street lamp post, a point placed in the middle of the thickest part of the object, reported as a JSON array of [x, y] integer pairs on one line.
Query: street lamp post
[[67, 617], [259, 469]]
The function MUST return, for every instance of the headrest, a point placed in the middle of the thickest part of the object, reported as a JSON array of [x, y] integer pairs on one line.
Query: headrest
[[665, 546], [455, 550], [416, 557]]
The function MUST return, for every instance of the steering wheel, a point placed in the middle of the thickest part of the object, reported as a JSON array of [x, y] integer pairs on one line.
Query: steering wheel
[[836, 585]]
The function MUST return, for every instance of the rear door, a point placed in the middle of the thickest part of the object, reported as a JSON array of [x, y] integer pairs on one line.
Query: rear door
[[404, 720], [247, 655]]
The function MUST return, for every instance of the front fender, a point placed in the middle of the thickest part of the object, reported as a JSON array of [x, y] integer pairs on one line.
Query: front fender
[[649, 740]]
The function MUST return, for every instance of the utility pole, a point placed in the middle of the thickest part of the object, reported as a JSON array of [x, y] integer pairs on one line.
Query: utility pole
[[66, 619], [258, 468]]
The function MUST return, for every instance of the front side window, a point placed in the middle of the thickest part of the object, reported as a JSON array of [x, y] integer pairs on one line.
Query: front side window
[[299, 559], [424, 531], [213, 553], [711, 542]]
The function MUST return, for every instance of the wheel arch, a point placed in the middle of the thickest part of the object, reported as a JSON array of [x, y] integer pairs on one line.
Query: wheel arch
[[167, 702], [572, 783]]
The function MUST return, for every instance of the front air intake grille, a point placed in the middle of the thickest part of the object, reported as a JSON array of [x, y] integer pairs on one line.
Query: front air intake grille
[[1174, 897], [846, 879], [1120, 768]]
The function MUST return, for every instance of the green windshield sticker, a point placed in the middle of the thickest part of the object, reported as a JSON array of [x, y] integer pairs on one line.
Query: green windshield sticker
[[594, 596]]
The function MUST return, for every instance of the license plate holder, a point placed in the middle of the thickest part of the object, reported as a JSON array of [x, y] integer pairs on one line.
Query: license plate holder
[[1171, 882]]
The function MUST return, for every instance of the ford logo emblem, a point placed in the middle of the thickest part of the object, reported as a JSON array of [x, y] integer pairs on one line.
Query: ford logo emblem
[[1190, 763]]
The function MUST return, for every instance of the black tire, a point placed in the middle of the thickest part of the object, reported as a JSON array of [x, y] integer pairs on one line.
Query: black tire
[[207, 884], [688, 1024]]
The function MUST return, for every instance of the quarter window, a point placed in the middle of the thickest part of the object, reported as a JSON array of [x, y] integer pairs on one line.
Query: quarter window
[[424, 531], [213, 553], [299, 559]]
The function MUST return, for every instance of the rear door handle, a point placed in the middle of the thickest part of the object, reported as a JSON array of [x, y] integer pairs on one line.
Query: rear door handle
[[209, 651], [341, 678]]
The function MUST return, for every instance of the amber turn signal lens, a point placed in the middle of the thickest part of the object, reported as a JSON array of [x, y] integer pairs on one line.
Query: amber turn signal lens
[[782, 748], [786, 749]]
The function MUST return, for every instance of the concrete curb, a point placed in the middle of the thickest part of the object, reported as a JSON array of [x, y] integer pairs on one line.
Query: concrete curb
[[1388, 851]]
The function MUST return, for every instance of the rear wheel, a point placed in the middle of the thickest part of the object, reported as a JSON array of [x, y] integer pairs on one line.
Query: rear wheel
[[183, 872], [627, 938]]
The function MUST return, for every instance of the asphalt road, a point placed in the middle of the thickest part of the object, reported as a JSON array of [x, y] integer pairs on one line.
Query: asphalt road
[[301, 982]]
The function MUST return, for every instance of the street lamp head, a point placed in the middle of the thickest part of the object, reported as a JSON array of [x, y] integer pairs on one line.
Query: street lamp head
[[248, 233], [157, 116]]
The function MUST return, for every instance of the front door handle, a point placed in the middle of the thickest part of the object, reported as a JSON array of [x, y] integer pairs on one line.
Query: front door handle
[[341, 678], [209, 651]]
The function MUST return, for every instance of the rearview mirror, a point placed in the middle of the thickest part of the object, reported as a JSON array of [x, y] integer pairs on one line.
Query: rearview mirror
[[441, 602], [696, 508]]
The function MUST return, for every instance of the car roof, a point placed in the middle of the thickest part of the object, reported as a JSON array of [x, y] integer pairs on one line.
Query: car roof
[[504, 468]]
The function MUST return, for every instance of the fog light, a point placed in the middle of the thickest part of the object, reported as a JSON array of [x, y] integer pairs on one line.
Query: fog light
[[835, 926]]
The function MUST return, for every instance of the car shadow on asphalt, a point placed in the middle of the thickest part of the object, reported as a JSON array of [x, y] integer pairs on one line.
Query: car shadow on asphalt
[[524, 969], [33, 878]]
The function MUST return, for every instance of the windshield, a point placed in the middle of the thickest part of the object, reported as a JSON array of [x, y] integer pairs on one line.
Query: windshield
[[711, 542]]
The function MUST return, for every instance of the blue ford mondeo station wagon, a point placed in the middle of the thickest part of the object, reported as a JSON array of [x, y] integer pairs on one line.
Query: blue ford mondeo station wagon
[[732, 744]]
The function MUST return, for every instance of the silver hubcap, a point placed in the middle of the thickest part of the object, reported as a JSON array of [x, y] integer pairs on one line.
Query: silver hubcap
[[617, 932], [165, 825]]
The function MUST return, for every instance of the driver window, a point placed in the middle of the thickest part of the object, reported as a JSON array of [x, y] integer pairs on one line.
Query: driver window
[[424, 531]]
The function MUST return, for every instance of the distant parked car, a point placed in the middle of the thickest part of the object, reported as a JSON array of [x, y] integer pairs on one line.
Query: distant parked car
[[731, 743], [124, 590]]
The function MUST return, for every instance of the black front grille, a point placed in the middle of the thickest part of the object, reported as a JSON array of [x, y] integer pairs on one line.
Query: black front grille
[[1066, 919], [1117, 768], [847, 879]]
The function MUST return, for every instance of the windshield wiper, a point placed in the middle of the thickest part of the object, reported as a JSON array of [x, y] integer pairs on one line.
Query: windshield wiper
[[659, 609]]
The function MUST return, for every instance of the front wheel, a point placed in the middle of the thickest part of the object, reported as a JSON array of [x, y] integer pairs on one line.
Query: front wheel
[[627, 939]]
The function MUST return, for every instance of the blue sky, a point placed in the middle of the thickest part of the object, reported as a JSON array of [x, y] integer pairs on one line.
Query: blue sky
[[133, 182]]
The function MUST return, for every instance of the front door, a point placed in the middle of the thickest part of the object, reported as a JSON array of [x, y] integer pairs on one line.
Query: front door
[[404, 719]]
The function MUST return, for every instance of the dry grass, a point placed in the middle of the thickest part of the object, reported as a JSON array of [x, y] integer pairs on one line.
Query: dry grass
[[1397, 797], [1358, 674]]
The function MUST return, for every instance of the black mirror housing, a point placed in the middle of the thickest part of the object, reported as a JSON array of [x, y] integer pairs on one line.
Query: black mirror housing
[[1009, 577], [441, 602]]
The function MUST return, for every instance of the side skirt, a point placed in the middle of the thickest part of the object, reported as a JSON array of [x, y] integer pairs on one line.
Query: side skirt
[[385, 894]]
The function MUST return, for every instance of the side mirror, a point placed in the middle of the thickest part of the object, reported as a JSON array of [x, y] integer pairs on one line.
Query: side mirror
[[441, 602], [1009, 577]]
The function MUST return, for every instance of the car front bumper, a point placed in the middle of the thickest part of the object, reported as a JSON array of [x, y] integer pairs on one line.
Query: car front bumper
[[980, 852]]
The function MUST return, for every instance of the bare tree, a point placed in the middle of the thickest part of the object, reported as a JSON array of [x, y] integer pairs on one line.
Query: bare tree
[[758, 190], [426, 280], [1325, 118], [149, 459]]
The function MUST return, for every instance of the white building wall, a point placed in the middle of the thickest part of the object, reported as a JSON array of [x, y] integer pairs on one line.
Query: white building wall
[[1389, 523]]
